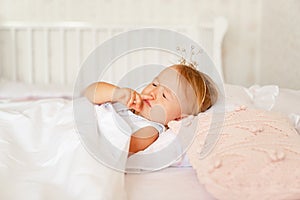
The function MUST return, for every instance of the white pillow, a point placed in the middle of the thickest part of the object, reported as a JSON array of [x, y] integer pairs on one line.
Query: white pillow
[[287, 101], [264, 97], [237, 95]]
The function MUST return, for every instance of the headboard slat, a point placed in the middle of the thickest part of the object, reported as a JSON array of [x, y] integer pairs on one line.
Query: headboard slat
[[62, 49], [46, 56], [14, 54], [31, 71], [79, 46]]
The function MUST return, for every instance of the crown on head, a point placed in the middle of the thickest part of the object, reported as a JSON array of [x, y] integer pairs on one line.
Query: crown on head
[[184, 60]]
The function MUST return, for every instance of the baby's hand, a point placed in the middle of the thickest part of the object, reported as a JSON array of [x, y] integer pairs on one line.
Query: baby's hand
[[130, 98], [136, 102]]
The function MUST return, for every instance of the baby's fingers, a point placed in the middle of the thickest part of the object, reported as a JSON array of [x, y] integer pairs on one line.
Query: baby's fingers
[[132, 99], [138, 102]]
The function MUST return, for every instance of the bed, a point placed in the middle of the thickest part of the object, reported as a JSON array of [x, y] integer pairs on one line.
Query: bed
[[41, 154]]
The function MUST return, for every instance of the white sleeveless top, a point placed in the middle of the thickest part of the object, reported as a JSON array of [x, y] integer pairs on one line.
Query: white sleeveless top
[[117, 123]]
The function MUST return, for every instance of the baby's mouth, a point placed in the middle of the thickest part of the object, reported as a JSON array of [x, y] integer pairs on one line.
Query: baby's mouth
[[147, 102]]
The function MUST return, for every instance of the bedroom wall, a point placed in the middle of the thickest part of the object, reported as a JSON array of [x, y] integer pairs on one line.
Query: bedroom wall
[[280, 43], [261, 45]]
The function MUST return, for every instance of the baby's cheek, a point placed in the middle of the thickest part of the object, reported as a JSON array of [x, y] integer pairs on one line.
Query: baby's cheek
[[158, 114]]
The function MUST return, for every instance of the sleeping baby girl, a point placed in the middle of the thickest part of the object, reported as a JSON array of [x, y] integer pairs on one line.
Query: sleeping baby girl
[[178, 91], [257, 153]]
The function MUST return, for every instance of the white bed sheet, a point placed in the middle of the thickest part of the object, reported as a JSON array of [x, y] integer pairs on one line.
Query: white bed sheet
[[170, 183]]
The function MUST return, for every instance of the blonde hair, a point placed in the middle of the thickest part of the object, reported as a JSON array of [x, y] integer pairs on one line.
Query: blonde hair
[[203, 86]]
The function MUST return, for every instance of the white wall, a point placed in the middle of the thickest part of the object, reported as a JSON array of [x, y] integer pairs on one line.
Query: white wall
[[261, 45], [280, 43]]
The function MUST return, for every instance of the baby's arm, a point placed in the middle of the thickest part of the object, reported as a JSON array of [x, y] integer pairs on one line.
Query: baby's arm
[[142, 138], [102, 92]]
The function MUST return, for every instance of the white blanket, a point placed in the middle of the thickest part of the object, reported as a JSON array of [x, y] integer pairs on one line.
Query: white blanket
[[41, 156]]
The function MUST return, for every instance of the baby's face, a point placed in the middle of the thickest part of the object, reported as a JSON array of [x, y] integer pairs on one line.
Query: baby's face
[[170, 94]]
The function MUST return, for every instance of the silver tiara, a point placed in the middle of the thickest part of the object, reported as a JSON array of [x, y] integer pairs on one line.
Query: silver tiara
[[184, 60]]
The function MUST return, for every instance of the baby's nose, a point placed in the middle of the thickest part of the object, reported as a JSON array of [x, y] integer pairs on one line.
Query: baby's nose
[[147, 96], [153, 94]]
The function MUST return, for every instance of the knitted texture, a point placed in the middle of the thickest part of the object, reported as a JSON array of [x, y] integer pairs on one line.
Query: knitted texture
[[257, 156]]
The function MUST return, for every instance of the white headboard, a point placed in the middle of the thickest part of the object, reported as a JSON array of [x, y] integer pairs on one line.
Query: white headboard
[[53, 53]]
